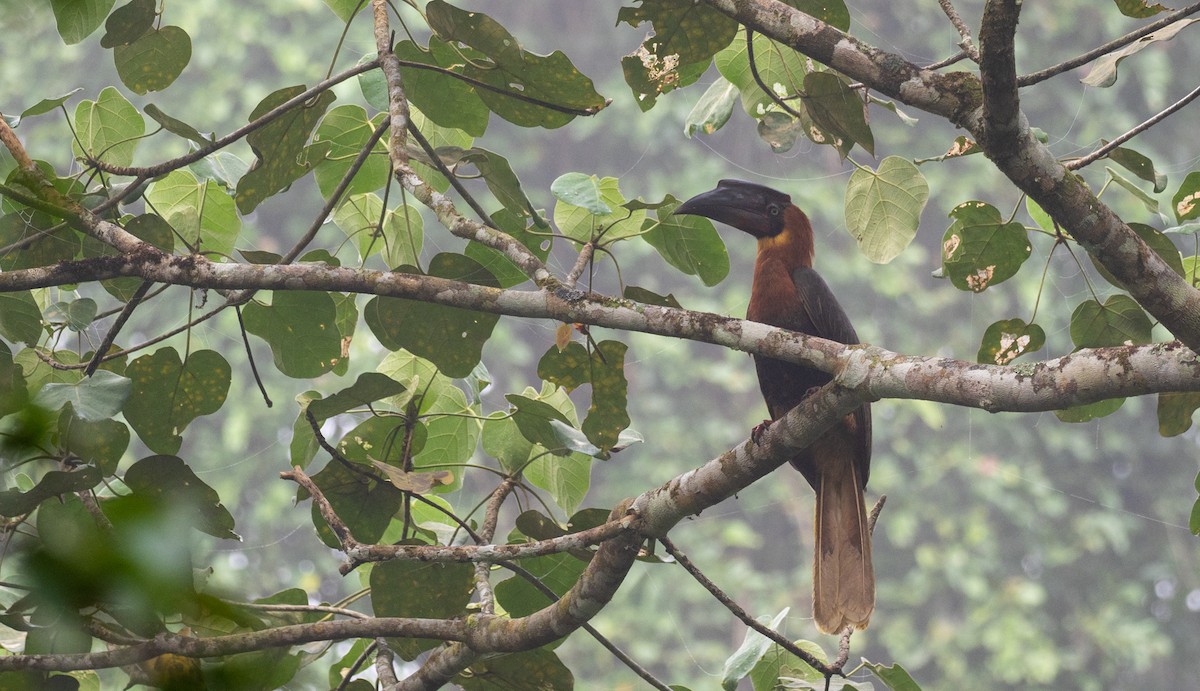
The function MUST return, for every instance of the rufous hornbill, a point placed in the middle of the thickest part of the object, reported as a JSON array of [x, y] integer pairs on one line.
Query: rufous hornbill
[[788, 293]]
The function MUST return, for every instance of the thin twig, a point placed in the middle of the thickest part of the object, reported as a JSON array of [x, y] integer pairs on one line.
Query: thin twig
[[383, 664], [348, 673], [441, 167], [759, 80], [340, 530], [964, 33], [111, 336], [262, 388], [1116, 44], [390, 65], [585, 257], [1157, 118], [742, 614]]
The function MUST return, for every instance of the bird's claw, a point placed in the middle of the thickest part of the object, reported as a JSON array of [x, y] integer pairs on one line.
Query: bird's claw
[[759, 430]]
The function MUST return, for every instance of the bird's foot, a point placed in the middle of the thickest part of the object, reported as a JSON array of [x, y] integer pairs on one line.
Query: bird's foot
[[759, 430]]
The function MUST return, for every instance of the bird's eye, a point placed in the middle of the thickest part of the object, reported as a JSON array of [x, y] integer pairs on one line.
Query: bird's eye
[[773, 209]]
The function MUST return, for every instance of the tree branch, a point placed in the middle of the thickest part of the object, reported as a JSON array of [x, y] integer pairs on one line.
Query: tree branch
[[964, 33]]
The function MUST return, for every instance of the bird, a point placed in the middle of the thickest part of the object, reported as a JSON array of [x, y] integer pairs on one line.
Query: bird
[[788, 293]]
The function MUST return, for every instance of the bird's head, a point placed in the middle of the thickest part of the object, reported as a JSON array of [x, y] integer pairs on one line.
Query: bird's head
[[754, 209]]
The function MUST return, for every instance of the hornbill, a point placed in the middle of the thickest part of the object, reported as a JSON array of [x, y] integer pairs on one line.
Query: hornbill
[[788, 293]]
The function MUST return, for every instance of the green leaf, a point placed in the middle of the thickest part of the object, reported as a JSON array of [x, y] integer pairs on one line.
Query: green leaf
[[368, 388], [76, 315], [14, 392], [364, 504], [420, 376], [1090, 411], [199, 210], [345, 9], [450, 337], [650, 298], [48, 104], [1140, 9], [559, 572], [754, 646], [1175, 410], [100, 442], [451, 437], [20, 318], [1039, 215], [154, 61], [686, 36], [1139, 165], [1130, 186], [777, 664], [1104, 70], [607, 416], [566, 478], [883, 207], [279, 146], [128, 22], [447, 100], [299, 326], [688, 243], [223, 168], [579, 189], [838, 110], [108, 128], [780, 68], [169, 393], [176, 127], [498, 174], [895, 677], [169, 481], [503, 441], [54, 483], [1185, 200], [510, 69], [1009, 339], [980, 250], [348, 129], [531, 669], [1194, 520], [1158, 242], [399, 238], [1117, 322], [414, 589], [586, 225], [77, 19], [781, 131], [97, 397], [506, 272], [713, 109], [533, 418]]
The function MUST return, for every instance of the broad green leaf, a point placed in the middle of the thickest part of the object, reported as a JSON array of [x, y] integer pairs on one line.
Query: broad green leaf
[[533, 418], [168, 480], [128, 22], [280, 146], [101, 443], [1185, 200], [838, 110], [48, 104], [1130, 186], [1090, 411], [398, 239], [688, 243], [76, 315], [345, 9], [503, 441], [1009, 339], [883, 207], [1175, 410], [1039, 215], [368, 388], [638, 294], [569, 368], [77, 19], [299, 326], [420, 590], [503, 183], [54, 483], [348, 129], [566, 478], [450, 337], [222, 167], [607, 416], [713, 109], [780, 68], [781, 131], [1194, 520], [97, 397], [559, 572], [685, 37], [440, 138], [1117, 322], [420, 377], [1104, 70], [20, 318], [451, 436], [199, 210], [895, 677], [169, 393], [509, 70], [177, 127], [754, 646], [447, 100], [1160, 243], [980, 250], [107, 128], [1140, 9], [1139, 165], [582, 190], [364, 504], [155, 60], [531, 669], [507, 274], [777, 664], [585, 225], [14, 392]]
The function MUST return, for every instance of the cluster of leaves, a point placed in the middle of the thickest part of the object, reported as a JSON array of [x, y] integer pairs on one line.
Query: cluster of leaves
[[400, 439]]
